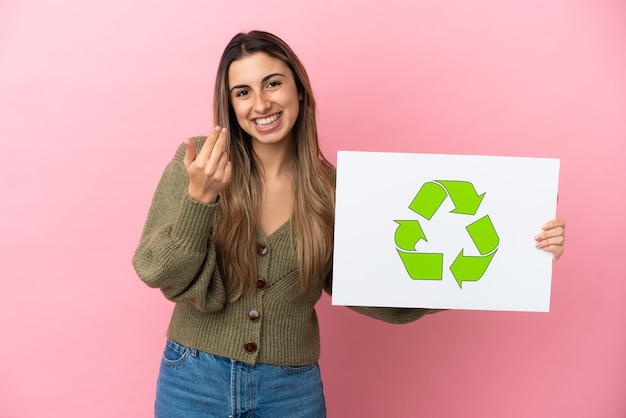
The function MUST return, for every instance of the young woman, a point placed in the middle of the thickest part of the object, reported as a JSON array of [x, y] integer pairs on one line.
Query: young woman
[[239, 236]]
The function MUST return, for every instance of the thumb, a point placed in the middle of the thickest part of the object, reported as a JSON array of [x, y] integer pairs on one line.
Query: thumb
[[190, 153]]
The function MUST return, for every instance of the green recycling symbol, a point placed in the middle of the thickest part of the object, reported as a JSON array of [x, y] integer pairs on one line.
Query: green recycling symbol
[[429, 266]]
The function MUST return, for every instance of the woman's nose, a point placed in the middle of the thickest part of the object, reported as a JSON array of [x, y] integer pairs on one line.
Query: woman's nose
[[262, 103]]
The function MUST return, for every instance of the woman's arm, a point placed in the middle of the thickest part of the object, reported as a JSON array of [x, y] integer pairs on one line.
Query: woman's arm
[[175, 253]]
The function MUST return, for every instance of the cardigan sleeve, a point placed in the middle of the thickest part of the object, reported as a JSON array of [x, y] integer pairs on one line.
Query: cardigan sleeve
[[176, 253], [391, 315], [394, 315]]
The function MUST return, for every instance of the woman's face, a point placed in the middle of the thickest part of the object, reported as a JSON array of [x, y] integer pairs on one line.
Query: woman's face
[[264, 97]]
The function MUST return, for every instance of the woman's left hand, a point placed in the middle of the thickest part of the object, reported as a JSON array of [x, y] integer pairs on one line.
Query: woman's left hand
[[552, 237]]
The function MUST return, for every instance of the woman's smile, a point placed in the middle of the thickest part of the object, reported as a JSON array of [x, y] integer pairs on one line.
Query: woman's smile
[[268, 123]]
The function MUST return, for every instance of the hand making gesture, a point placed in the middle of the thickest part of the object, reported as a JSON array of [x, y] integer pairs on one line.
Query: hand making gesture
[[209, 170]]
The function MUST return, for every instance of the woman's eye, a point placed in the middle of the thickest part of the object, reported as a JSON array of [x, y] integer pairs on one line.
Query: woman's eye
[[273, 84], [242, 93]]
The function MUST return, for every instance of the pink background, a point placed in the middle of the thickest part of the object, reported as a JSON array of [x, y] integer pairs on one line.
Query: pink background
[[96, 96]]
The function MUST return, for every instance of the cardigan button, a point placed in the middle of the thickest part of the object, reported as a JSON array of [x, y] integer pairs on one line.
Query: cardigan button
[[261, 283], [250, 347], [254, 315], [262, 250]]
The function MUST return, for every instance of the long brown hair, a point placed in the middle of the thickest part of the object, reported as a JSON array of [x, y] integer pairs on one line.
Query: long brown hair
[[312, 218]]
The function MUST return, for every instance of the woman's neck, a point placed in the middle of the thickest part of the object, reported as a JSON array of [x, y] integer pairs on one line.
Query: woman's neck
[[275, 160], [275, 163]]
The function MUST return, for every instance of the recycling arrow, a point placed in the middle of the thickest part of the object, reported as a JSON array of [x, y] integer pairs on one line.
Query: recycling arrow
[[467, 268], [426, 202], [432, 194], [483, 235], [408, 234], [464, 196], [429, 266], [423, 266]]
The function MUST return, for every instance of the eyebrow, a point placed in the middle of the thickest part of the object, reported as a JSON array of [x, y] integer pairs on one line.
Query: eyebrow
[[263, 81]]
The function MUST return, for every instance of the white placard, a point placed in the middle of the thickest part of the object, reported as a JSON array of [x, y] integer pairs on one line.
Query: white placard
[[442, 231]]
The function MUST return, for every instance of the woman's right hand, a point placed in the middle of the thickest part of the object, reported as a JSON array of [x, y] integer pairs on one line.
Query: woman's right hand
[[209, 170]]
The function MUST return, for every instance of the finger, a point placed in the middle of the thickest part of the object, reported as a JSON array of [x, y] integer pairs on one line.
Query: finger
[[190, 153], [551, 233], [553, 223], [209, 143], [221, 162], [224, 168], [218, 148], [558, 241], [228, 172]]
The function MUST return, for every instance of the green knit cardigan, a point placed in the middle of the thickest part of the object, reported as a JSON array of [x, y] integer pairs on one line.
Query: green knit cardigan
[[275, 323]]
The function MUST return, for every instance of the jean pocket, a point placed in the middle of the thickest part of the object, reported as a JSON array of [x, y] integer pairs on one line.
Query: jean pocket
[[175, 354], [299, 369]]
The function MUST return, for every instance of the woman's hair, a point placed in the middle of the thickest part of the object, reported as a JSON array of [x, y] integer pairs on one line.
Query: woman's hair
[[312, 216]]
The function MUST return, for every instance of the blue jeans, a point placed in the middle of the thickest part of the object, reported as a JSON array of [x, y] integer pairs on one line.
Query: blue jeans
[[194, 384]]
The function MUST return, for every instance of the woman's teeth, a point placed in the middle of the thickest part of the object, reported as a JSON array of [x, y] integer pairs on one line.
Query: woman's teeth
[[265, 122]]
